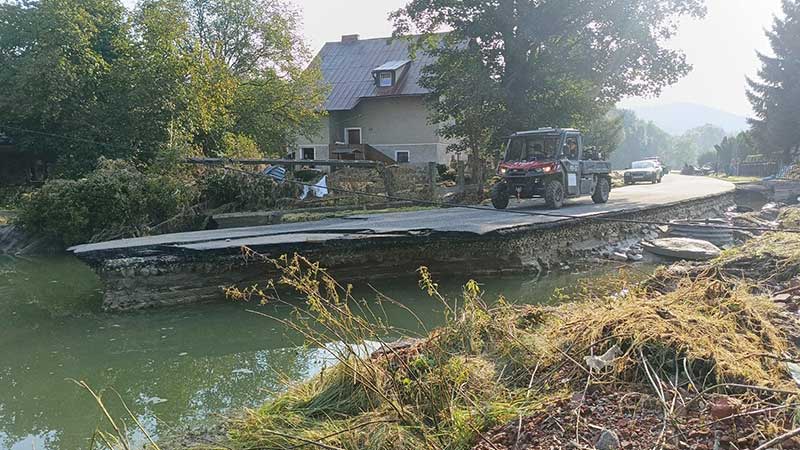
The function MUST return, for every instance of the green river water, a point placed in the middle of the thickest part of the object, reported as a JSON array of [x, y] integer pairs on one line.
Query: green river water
[[175, 368]]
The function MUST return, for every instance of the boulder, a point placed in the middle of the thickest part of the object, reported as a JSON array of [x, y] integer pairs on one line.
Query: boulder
[[608, 440], [683, 248]]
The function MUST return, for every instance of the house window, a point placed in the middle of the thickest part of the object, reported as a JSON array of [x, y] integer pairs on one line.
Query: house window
[[385, 79], [352, 136], [402, 156], [308, 153]]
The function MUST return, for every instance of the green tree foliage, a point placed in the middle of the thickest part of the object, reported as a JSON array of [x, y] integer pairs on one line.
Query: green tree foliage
[[641, 139], [606, 133], [92, 79], [527, 64], [735, 148], [57, 58], [775, 94], [705, 137]]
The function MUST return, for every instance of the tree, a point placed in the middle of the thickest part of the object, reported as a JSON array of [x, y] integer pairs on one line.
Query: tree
[[735, 148], [606, 133], [548, 62], [275, 97], [86, 78], [56, 59], [249, 36], [641, 140], [710, 159], [775, 93]]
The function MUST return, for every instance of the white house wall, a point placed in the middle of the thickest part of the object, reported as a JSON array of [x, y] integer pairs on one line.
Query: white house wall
[[389, 124]]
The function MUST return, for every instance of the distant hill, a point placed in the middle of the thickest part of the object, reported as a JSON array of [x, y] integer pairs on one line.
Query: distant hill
[[677, 118]]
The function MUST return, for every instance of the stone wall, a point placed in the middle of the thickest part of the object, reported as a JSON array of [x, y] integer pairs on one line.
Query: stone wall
[[144, 282]]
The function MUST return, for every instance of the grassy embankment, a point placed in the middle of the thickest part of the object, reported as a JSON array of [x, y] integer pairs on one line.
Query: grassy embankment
[[697, 356]]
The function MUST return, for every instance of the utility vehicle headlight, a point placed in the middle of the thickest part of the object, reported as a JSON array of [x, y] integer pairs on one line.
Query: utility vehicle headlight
[[503, 171]]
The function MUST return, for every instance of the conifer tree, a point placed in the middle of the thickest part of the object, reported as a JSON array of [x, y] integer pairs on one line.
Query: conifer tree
[[775, 94]]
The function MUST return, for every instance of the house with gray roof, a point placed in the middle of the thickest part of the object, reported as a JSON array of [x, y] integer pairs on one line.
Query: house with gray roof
[[376, 107]]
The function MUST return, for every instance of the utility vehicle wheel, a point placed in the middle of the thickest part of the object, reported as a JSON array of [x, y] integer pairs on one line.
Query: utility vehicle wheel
[[554, 194], [601, 191], [500, 196]]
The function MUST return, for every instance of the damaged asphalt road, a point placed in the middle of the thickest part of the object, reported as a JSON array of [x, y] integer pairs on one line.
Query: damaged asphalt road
[[459, 221]]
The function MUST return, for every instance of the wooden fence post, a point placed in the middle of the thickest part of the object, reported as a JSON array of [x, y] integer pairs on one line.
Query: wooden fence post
[[460, 180], [432, 173], [388, 180]]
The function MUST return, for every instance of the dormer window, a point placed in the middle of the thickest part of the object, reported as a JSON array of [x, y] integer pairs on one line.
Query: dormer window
[[390, 73], [386, 79]]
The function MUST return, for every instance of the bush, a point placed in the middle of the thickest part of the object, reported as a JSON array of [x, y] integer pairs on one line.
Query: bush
[[115, 200], [11, 196], [243, 192]]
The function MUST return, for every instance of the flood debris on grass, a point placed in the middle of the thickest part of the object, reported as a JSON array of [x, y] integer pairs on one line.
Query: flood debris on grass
[[697, 356]]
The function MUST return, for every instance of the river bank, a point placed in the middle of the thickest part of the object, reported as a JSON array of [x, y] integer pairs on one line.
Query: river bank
[[697, 356]]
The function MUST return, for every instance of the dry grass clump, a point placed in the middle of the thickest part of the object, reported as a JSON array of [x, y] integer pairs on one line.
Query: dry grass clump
[[495, 363], [435, 393], [789, 218], [726, 334], [766, 261]]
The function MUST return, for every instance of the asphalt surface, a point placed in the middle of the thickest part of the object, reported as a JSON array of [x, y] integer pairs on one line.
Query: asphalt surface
[[674, 189]]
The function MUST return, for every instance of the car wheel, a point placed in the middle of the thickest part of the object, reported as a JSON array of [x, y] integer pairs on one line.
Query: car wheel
[[500, 196], [655, 179], [602, 190], [554, 194]]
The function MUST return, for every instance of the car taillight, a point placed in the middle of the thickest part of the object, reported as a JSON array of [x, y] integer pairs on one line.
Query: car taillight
[[551, 168]]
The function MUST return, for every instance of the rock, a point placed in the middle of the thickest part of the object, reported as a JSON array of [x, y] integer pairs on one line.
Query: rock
[[608, 440], [635, 257], [619, 256], [683, 248], [782, 298], [723, 407]]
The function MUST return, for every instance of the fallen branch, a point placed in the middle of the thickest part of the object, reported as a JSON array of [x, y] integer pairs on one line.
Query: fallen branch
[[755, 412], [780, 439]]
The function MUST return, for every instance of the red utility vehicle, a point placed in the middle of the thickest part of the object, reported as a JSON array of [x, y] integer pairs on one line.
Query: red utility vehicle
[[553, 164]]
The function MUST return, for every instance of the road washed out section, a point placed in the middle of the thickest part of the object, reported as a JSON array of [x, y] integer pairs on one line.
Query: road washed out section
[[194, 267]]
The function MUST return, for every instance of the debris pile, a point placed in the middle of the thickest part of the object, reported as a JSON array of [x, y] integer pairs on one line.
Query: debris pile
[[632, 421]]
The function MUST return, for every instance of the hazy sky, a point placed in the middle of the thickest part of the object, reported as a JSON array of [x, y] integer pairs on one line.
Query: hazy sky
[[721, 47]]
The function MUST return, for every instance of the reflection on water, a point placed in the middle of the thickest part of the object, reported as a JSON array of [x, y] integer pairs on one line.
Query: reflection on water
[[175, 367]]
